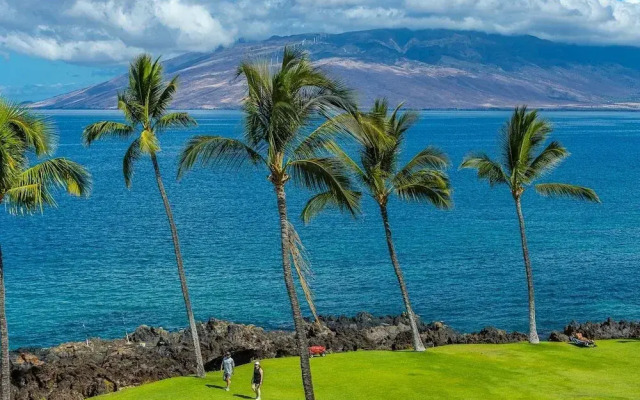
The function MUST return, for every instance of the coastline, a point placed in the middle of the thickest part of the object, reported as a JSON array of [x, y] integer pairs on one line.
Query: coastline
[[78, 370]]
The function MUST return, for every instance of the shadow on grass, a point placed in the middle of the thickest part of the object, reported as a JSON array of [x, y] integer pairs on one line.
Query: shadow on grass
[[242, 396], [628, 341]]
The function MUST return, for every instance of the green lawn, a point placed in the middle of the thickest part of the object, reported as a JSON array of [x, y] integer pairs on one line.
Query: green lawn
[[510, 371]]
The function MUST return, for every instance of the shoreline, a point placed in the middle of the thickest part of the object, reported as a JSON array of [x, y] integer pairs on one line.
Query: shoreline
[[77, 370]]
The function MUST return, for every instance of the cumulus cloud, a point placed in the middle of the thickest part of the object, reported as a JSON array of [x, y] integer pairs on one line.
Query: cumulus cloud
[[79, 51], [110, 31], [196, 29]]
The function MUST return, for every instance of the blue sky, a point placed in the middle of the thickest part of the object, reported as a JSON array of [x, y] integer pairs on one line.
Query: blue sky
[[52, 47]]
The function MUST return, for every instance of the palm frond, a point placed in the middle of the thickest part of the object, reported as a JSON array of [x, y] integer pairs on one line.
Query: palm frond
[[149, 143], [430, 187], [130, 157], [429, 158], [13, 157], [32, 189], [27, 199], [283, 101], [487, 168], [369, 130], [33, 130], [103, 129], [61, 173], [319, 174], [326, 174], [211, 150], [165, 98], [567, 190], [346, 160], [321, 201], [322, 138], [402, 123], [133, 111], [302, 266], [546, 161], [174, 120]]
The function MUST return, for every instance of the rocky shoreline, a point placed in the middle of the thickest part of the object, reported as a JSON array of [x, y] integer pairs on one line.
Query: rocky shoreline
[[75, 371]]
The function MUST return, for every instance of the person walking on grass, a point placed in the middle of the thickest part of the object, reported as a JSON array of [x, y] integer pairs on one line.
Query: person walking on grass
[[227, 367], [256, 381]]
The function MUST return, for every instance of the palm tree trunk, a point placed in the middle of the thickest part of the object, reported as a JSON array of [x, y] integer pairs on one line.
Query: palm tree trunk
[[4, 339], [303, 347], [183, 279], [417, 341], [533, 333]]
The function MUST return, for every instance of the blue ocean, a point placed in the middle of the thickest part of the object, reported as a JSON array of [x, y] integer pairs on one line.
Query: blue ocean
[[102, 266]]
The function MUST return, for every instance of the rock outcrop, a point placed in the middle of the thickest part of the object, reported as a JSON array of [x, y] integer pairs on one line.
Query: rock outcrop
[[608, 329], [76, 370]]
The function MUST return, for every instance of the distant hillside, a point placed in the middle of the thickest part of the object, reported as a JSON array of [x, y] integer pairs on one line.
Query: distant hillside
[[427, 69]]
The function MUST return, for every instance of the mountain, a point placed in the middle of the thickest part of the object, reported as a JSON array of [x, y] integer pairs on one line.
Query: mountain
[[426, 69]]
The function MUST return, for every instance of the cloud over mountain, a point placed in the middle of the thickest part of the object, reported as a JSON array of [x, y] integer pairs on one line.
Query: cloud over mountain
[[111, 31]]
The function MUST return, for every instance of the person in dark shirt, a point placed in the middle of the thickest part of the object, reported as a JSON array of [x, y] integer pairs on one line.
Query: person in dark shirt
[[256, 381]]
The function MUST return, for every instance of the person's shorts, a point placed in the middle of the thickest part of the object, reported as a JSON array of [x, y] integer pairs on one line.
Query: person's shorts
[[226, 376]]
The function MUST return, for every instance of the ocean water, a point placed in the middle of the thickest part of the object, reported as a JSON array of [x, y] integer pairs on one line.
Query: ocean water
[[104, 265]]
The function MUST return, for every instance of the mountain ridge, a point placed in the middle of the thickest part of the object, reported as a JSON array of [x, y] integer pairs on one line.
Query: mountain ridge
[[428, 69]]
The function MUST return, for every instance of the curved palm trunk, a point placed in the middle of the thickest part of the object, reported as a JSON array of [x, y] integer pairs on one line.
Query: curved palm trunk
[[533, 333], [417, 341], [301, 334], [183, 279], [4, 333]]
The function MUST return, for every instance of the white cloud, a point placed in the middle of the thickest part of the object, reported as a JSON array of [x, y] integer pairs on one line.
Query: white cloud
[[78, 51], [112, 30], [583, 21], [134, 20], [197, 29]]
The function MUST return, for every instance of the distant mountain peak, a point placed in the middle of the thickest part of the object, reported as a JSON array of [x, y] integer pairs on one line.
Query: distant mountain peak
[[439, 69]]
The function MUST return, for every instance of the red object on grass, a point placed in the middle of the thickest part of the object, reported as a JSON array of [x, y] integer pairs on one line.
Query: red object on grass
[[317, 351]]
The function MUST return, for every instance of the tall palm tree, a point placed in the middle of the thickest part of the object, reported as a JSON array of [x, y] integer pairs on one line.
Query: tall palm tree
[[144, 104], [27, 189], [519, 167], [422, 179], [281, 105]]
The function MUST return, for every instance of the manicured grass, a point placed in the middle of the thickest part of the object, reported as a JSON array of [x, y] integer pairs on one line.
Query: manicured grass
[[511, 371]]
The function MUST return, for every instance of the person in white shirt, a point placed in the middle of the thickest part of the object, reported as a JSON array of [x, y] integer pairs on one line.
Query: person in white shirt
[[227, 367]]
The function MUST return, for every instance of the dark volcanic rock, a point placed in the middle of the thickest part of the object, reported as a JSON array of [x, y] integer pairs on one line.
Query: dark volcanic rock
[[556, 336], [494, 336], [76, 371], [608, 329]]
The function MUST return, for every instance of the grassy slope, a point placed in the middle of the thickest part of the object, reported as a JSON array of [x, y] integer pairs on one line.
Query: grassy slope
[[512, 371]]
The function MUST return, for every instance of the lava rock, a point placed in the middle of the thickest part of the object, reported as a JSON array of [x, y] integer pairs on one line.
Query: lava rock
[[556, 336], [609, 329], [74, 371]]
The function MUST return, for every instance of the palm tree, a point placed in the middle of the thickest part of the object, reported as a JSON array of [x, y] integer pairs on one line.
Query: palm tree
[[27, 189], [421, 180], [521, 137], [281, 105], [144, 104]]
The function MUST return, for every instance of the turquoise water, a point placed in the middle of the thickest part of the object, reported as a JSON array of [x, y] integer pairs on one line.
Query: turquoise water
[[107, 262]]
